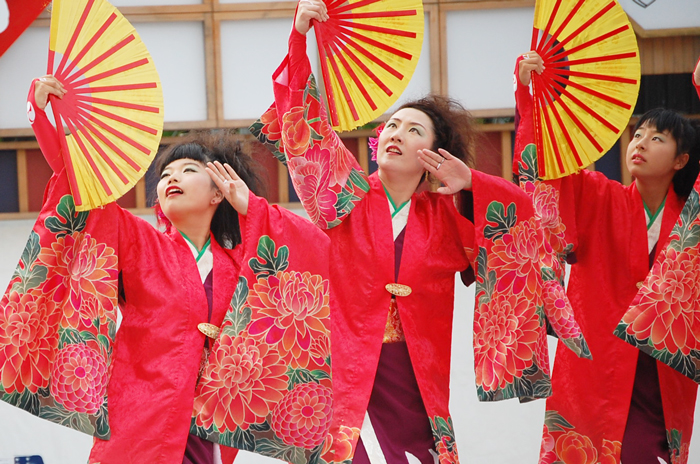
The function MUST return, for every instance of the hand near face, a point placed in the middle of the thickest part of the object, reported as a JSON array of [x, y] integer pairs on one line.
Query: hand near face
[[234, 189], [451, 171]]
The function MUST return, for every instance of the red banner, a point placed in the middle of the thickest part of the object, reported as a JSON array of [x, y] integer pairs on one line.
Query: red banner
[[15, 17]]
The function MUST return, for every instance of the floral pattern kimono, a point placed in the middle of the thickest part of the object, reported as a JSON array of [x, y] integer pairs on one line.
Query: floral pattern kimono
[[504, 245], [265, 386], [601, 225]]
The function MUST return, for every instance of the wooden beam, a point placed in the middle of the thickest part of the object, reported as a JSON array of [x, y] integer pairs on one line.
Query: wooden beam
[[282, 183], [140, 191], [22, 185], [625, 138], [363, 153], [506, 155]]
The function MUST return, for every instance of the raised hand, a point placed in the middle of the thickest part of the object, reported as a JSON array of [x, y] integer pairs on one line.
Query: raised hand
[[45, 86], [234, 189], [308, 10], [451, 171], [531, 62]]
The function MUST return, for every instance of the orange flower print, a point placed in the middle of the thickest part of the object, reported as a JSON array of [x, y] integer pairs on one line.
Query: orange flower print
[[666, 311], [574, 448], [341, 160], [28, 335], [311, 174], [320, 349], [271, 125], [290, 310], [83, 268], [344, 443], [515, 257], [79, 379], [445, 454], [506, 332], [559, 311], [680, 456], [546, 202], [244, 379], [610, 453], [296, 133], [547, 454], [303, 416]]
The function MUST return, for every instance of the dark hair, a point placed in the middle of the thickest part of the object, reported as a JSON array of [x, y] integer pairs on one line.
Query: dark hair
[[453, 125], [686, 133], [221, 146]]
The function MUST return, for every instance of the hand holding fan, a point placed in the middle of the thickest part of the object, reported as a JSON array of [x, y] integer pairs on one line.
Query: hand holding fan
[[368, 50], [587, 92], [113, 106]]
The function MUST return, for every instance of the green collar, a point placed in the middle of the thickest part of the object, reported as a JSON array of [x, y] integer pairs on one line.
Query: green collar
[[653, 217], [200, 252], [391, 200]]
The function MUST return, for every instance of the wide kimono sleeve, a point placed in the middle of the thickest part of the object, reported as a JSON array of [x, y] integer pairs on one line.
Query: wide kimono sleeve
[[325, 175], [59, 312], [664, 317], [557, 205], [267, 385]]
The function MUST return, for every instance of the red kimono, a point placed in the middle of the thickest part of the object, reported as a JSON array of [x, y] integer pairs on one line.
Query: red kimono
[[503, 245], [603, 223], [265, 387]]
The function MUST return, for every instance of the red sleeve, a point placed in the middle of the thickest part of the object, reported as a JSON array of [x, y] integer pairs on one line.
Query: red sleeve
[[45, 133], [696, 84]]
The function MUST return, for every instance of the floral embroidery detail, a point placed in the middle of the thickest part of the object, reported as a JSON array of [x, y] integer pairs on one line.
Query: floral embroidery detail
[[296, 133], [320, 350], [443, 432], [393, 331], [342, 163], [302, 418], [374, 141], [506, 332], [311, 175], [83, 268], [291, 310], [559, 310], [79, 379], [610, 452], [666, 313], [28, 335], [340, 448], [515, 256], [243, 380], [547, 454], [574, 448], [678, 448], [271, 127]]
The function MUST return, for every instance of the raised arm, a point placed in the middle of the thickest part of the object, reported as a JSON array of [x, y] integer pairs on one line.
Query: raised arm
[[325, 175], [46, 134]]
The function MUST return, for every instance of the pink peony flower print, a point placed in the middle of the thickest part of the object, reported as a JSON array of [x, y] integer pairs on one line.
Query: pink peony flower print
[[83, 269], [79, 378], [290, 310], [303, 417], [296, 133], [312, 176], [244, 379], [515, 257], [574, 448], [506, 332], [28, 336], [559, 311], [666, 312]]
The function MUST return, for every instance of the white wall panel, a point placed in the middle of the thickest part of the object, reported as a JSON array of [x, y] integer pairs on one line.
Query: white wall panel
[[177, 49], [119, 3], [482, 46], [25, 60], [251, 50], [663, 14]]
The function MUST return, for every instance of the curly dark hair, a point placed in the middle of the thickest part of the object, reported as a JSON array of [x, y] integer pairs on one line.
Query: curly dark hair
[[453, 125], [221, 146], [686, 133]]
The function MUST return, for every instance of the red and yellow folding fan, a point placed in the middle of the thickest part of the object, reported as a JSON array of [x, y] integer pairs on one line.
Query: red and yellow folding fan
[[368, 51], [587, 92], [113, 109]]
